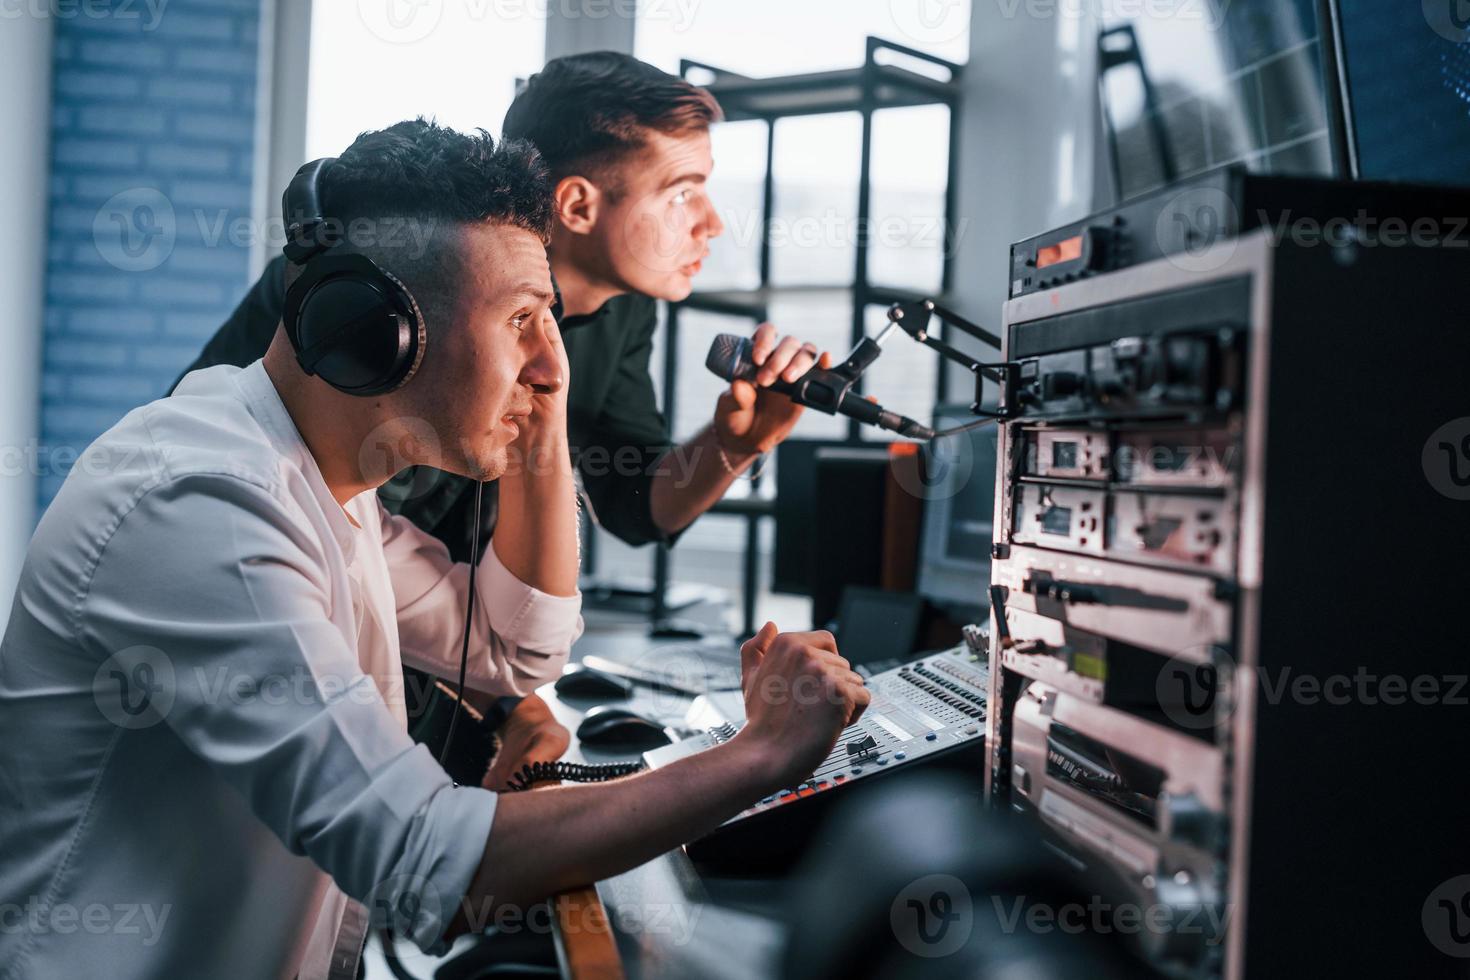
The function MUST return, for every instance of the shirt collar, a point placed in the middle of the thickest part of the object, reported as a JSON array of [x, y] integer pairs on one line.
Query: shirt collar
[[564, 322], [265, 404]]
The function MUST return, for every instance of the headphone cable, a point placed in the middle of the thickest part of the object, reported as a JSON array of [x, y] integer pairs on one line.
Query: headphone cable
[[469, 613]]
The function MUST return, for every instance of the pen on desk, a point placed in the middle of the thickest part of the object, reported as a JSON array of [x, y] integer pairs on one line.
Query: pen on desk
[[621, 670]]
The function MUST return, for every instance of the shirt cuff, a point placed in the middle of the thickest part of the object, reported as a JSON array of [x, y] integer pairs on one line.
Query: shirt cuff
[[451, 835], [524, 615]]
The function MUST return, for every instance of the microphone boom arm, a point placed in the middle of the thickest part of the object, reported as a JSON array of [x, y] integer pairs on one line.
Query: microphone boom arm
[[913, 318]]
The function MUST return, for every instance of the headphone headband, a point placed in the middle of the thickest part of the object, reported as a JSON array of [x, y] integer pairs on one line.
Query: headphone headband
[[351, 322], [303, 212]]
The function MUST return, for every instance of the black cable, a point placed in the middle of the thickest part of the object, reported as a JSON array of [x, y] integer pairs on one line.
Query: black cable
[[469, 613], [956, 430], [385, 936], [543, 772], [390, 957]]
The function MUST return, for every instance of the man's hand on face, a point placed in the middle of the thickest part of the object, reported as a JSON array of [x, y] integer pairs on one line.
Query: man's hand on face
[[530, 734], [799, 695], [752, 419]]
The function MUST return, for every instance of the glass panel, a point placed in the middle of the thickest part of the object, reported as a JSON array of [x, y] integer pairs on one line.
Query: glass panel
[[823, 317], [813, 228], [1243, 85], [735, 187], [906, 240], [778, 37], [904, 379], [374, 64]]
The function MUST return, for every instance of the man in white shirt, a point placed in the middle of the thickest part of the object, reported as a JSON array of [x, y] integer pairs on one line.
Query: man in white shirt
[[202, 745]]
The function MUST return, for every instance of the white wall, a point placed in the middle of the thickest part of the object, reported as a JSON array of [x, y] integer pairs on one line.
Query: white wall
[[576, 28], [25, 78], [1026, 150]]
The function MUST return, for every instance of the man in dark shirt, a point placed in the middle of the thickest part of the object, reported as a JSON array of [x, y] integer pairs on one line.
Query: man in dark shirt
[[628, 148]]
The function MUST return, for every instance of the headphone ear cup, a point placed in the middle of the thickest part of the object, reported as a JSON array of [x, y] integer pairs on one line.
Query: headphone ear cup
[[358, 335], [354, 325]]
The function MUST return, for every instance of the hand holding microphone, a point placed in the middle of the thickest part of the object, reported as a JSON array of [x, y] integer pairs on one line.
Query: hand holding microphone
[[827, 389], [749, 419]]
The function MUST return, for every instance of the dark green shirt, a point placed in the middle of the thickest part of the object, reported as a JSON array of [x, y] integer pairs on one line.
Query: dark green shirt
[[614, 425]]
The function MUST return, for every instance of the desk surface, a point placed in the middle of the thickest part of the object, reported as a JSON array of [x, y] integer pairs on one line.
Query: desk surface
[[668, 920]]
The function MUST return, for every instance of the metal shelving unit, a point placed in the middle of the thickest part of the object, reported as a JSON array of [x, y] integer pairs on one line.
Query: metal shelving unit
[[871, 87]]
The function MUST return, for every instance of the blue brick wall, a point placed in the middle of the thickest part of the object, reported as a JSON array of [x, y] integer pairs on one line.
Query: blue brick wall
[[152, 139]]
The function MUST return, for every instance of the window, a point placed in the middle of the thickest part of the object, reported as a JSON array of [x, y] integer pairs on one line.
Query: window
[[381, 61], [779, 37]]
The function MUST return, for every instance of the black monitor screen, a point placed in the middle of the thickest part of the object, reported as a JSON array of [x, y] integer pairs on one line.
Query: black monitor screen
[[1407, 66], [1191, 85]]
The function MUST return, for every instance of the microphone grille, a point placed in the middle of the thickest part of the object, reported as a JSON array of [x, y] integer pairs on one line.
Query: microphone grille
[[729, 356]]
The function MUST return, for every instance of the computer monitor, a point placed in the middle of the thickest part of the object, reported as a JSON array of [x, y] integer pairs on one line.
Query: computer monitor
[[1189, 86], [798, 505], [877, 627], [1405, 72], [954, 556]]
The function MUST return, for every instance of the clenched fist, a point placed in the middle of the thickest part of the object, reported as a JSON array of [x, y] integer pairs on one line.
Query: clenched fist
[[799, 695]]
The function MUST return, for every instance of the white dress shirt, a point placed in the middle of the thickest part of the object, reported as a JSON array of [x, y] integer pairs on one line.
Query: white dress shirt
[[202, 720]]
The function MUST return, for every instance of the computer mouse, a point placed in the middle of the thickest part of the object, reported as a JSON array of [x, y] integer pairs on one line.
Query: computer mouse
[[676, 629], [581, 681], [613, 726]]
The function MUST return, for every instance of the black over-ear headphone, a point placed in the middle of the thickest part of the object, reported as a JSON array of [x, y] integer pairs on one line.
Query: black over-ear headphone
[[351, 322]]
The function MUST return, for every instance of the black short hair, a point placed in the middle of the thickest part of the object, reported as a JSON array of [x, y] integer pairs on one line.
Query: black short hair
[[587, 112], [420, 168], [401, 195]]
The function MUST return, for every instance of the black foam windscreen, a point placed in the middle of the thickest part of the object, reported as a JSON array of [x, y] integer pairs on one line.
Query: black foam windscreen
[[729, 357]]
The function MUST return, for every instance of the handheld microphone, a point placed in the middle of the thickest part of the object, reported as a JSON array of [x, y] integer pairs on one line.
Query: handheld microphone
[[827, 390]]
